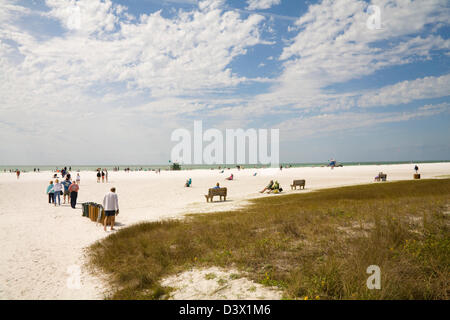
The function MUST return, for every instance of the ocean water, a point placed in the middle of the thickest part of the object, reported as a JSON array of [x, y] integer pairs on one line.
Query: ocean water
[[30, 168]]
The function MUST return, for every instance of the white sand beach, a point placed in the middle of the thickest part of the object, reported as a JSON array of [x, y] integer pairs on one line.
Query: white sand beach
[[40, 242]]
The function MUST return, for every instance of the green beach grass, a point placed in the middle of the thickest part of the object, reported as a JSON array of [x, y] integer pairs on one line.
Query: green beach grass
[[311, 245]]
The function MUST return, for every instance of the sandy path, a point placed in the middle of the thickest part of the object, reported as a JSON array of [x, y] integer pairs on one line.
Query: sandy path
[[39, 242]]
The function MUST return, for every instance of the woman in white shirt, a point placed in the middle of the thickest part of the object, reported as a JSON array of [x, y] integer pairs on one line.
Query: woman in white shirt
[[57, 188]]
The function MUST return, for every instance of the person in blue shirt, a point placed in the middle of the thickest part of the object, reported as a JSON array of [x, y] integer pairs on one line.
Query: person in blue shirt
[[66, 183], [51, 193], [217, 186]]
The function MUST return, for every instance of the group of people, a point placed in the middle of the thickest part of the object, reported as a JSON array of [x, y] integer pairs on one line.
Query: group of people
[[272, 187], [68, 189], [102, 174]]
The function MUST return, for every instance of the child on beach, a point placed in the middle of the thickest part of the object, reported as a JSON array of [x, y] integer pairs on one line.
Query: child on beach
[[78, 178], [51, 193]]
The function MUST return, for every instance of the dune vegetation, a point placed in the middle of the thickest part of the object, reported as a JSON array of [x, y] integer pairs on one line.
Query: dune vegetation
[[314, 245]]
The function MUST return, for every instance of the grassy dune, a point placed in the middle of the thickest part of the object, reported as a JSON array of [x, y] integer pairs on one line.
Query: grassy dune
[[316, 245]]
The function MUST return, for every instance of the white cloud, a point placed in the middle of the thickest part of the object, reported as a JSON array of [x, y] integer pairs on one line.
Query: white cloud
[[112, 77], [333, 45], [407, 91], [336, 122], [133, 78], [261, 4]]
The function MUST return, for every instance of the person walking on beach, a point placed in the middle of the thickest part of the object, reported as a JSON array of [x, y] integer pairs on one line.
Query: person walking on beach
[[78, 178], [51, 193], [66, 184], [73, 189], [103, 176], [58, 189], [106, 175], [111, 206], [18, 173], [98, 175]]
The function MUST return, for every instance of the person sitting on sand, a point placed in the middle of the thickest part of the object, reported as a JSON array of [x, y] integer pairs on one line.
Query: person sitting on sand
[[268, 187], [276, 188], [230, 177], [217, 186], [51, 193], [111, 206], [188, 183]]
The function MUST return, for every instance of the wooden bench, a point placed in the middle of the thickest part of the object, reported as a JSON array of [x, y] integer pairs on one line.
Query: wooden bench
[[298, 183], [221, 192]]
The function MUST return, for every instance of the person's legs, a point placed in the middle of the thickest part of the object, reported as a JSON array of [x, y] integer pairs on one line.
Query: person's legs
[[105, 222], [73, 199], [58, 196], [113, 219]]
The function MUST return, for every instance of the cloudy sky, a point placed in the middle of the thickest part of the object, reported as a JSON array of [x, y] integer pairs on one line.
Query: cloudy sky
[[107, 81]]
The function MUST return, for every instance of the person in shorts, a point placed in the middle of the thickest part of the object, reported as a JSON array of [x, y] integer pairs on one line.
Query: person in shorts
[[66, 184], [111, 206]]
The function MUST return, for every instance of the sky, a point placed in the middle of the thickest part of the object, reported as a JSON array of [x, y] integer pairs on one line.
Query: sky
[[107, 81]]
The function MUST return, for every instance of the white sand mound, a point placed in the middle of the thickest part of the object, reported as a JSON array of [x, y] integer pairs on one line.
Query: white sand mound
[[217, 284]]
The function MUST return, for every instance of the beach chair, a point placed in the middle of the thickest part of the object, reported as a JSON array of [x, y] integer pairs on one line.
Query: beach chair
[[221, 192], [298, 183]]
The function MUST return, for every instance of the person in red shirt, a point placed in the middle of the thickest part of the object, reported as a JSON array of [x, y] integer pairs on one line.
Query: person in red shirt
[[73, 189]]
